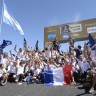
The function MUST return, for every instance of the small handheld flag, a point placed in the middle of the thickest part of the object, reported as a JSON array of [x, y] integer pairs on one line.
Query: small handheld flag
[[5, 43], [36, 46], [25, 43]]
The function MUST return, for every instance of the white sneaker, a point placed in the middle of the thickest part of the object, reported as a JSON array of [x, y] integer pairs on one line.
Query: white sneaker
[[91, 90], [14, 76], [19, 83], [73, 83]]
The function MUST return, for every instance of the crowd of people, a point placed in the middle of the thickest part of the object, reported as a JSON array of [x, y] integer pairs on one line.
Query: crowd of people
[[29, 65]]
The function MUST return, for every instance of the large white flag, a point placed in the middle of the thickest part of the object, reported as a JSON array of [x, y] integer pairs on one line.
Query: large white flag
[[8, 19]]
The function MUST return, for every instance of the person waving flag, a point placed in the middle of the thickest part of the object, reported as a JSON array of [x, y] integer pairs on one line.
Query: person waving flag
[[25, 43]]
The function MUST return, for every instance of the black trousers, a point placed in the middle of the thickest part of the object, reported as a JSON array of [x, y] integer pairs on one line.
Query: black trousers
[[10, 77], [83, 77], [76, 76]]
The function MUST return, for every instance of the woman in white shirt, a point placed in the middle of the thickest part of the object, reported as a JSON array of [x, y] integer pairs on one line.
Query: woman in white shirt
[[20, 72], [3, 75], [12, 69]]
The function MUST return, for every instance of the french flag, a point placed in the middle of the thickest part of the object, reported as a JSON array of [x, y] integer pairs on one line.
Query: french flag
[[58, 76]]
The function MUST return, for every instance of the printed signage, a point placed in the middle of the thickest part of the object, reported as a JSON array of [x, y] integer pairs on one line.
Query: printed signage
[[66, 36], [75, 28], [51, 36], [91, 29], [64, 30]]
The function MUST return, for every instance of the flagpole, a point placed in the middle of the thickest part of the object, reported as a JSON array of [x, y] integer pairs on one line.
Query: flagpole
[[2, 16]]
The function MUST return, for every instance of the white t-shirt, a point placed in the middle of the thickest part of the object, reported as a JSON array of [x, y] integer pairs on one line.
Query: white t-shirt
[[2, 71], [48, 54], [36, 55], [75, 67], [26, 69], [5, 62], [20, 70], [18, 62], [12, 69], [84, 65], [20, 54], [12, 58], [36, 72], [53, 54]]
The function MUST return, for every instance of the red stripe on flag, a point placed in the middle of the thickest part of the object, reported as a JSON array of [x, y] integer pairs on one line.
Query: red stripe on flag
[[67, 74]]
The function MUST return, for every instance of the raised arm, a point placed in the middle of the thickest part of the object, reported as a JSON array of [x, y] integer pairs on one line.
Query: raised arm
[[10, 53], [15, 48]]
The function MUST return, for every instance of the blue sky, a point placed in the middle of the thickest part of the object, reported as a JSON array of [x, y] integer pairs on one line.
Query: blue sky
[[34, 15]]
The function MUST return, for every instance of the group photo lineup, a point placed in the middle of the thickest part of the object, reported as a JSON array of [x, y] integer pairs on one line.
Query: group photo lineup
[[44, 54]]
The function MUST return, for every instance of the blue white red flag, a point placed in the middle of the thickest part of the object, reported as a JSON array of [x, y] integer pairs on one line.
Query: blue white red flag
[[58, 76]]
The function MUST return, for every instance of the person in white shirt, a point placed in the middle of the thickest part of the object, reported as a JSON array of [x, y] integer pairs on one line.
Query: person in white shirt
[[3, 75], [17, 59], [20, 72], [36, 54], [12, 56], [68, 58], [37, 71], [6, 60], [84, 66], [47, 53], [20, 53], [75, 71], [43, 55], [12, 69], [27, 69], [52, 64], [53, 53]]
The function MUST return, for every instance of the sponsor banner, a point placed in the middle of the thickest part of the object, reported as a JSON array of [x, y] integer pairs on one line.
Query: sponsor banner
[[51, 36], [75, 28], [91, 24], [78, 30], [91, 29], [66, 36], [76, 35], [64, 30], [50, 31]]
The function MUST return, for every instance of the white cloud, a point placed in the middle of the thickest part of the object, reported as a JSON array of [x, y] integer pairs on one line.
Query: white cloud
[[77, 17]]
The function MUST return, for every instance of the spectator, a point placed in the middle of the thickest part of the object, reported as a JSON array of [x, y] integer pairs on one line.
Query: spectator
[[56, 45], [3, 74], [20, 72]]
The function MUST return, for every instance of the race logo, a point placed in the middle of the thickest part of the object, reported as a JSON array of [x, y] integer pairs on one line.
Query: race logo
[[64, 30], [91, 29]]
